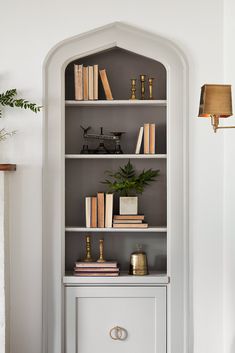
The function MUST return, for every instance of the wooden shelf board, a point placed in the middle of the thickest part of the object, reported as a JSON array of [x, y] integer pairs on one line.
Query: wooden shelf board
[[155, 103], [153, 278], [115, 156], [120, 230], [7, 167]]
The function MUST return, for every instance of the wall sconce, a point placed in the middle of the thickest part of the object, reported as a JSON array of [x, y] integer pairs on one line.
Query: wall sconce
[[216, 103]]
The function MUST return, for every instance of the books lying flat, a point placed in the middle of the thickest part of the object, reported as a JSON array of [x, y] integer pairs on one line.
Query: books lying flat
[[131, 217], [96, 269], [128, 225], [96, 264], [127, 221], [96, 274]]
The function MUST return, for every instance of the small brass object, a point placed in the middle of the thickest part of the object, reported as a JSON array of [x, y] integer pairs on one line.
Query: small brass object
[[151, 87], [133, 89], [138, 263], [101, 258], [142, 81], [88, 257]]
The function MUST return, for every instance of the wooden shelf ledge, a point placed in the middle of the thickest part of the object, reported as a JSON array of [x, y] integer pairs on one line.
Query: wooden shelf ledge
[[7, 167]]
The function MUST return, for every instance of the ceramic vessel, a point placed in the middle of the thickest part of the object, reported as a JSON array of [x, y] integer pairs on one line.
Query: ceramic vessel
[[128, 205]]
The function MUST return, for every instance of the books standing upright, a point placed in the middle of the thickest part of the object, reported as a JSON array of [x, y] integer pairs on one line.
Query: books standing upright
[[109, 211], [78, 82], [146, 138], [85, 83], [100, 201], [93, 212], [152, 139], [90, 83], [95, 81], [139, 141], [105, 83], [88, 211]]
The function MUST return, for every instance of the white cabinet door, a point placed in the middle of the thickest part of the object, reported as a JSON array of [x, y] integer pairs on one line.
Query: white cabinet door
[[135, 317]]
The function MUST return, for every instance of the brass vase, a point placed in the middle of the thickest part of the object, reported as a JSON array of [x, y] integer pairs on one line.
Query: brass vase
[[138, 263]]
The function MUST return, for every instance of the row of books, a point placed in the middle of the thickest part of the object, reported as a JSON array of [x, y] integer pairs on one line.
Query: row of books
[[129, 221], [99, 210], [96, 269], [99, 214], [86, 82], [146, 134]]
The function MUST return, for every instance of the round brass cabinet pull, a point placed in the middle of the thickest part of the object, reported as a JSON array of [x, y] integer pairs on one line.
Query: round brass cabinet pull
[[118, 333]]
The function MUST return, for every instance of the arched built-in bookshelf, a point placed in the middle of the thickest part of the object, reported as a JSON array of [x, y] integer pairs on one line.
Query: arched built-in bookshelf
[[69, 176]]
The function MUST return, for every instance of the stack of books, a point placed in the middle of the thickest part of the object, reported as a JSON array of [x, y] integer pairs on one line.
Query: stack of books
[[96, 269], [146, 133], [131, 221], [86, 83], [99, 211]]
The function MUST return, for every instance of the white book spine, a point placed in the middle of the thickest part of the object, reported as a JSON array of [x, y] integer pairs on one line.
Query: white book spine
[[139, 140], [88, 211], [109, 211]]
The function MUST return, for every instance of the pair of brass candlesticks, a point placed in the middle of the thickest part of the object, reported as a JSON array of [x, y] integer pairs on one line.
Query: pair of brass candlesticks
[[88, 257], [142, 87]]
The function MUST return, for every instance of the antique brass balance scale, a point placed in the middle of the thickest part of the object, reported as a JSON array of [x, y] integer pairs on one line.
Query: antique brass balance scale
[[114, 136]]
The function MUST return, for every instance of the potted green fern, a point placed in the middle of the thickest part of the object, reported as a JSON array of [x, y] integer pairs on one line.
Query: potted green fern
[[128, 184], [9, 98]]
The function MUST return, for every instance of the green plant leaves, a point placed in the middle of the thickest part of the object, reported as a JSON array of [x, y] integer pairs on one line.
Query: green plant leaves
[[126, 182], [9, 99]]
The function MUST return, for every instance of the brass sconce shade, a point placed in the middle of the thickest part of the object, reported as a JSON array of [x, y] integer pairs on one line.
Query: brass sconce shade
[[216, 103]]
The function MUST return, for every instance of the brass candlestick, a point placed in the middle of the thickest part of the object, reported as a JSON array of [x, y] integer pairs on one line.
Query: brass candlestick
[[101, 258], [133, 88], [151, 87], [142, 81], [88, 257]]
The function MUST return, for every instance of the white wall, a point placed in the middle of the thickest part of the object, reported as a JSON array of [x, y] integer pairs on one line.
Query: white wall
[[30, 29], [229, 195]]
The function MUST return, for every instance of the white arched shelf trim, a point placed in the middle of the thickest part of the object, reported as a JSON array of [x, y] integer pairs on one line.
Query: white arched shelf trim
[[164, 51]]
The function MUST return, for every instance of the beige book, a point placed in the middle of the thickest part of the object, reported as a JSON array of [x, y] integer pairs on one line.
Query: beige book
[[85, 83], [127, 221], [139, 140], [125, 217], [94, 212], [95, 274], [123, 225], [96, 264], [90, 83], [152, 139], [108, 210], [95, 81], [146, 138], [100, 200], [78, 82], [105, 83], [88, 211]]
